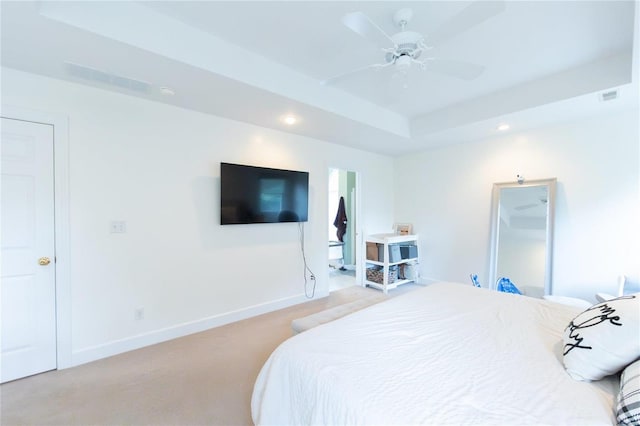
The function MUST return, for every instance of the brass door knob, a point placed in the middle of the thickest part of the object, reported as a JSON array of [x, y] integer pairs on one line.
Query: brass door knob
[[44, 261]]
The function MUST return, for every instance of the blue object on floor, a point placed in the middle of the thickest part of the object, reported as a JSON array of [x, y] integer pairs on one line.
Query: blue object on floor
[[474, 280], [506, 286]]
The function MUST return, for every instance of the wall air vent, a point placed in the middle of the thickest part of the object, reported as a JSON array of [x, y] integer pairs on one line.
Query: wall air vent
[[87, 73], [609, 95]]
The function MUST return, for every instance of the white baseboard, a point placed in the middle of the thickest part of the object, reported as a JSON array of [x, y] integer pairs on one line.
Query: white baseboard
[[115, 347]]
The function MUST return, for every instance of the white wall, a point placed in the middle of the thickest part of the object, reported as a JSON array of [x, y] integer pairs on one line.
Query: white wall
[[157, 168], [446, 194]]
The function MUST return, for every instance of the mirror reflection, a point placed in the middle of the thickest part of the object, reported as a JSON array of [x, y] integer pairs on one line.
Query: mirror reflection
[[522, 236]]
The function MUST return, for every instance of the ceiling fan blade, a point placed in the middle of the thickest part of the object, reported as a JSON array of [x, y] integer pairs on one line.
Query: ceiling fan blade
[[469, 17], [360, 23], [335, 78], [526, 206], [459, 69]]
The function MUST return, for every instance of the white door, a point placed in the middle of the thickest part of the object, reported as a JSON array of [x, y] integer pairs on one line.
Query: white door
[[28, 342]]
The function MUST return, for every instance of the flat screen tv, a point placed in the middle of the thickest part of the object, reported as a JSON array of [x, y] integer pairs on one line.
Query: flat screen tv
[[251, 194]]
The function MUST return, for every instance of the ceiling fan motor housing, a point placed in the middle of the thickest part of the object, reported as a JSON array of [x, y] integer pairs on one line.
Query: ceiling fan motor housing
[[407, 43]]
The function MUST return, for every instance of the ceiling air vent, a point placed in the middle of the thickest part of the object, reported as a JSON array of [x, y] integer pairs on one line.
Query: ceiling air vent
[[609, 95], [103, 77]]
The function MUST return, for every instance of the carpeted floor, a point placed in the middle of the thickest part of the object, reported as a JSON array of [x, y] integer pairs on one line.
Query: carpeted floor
[[339, 279], [202, 379]]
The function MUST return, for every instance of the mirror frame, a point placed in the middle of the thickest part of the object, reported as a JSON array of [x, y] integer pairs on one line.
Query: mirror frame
[[495, 224]]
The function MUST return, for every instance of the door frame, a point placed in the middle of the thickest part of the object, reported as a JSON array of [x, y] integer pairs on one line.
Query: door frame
[[60, 125], [358, 238]]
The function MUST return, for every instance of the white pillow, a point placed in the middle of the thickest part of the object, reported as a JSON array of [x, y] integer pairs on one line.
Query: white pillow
[[628, 409], [603, 339]]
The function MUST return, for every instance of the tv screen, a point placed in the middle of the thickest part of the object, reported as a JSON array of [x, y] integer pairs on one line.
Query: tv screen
[[251, 194]]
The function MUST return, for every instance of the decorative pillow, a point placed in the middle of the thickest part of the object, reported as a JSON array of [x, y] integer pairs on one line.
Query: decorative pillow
[[628, 409], [603, 339]]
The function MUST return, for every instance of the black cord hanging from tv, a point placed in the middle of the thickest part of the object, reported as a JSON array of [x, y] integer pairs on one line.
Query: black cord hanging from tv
[[306, 267]]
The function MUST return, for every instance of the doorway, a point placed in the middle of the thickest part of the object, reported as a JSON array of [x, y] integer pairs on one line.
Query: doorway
[[342, 226]]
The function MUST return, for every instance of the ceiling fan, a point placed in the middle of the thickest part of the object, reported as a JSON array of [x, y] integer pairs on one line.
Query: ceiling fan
[[404, 49]]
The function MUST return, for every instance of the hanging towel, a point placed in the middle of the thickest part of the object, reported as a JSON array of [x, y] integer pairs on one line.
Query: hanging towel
[[341, 221]]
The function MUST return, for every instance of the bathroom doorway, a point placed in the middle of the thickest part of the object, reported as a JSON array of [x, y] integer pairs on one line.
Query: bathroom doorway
[[342, 230]]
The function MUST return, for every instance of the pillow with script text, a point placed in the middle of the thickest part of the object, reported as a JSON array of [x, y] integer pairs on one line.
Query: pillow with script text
[[603, 339]]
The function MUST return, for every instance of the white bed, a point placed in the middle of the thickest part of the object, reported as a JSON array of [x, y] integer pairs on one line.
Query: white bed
[[445, 354]]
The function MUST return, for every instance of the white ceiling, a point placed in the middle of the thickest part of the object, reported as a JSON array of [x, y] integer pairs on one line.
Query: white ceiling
[[544, 61]]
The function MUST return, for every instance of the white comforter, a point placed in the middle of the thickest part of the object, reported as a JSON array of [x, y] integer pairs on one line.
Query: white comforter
[[445, 354]]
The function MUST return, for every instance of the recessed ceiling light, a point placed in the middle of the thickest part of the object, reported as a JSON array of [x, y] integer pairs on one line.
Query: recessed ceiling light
[[290, 120], [167, 91], [503, 127]]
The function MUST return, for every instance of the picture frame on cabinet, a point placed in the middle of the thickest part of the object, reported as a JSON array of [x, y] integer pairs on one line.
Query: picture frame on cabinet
[[403, 228]]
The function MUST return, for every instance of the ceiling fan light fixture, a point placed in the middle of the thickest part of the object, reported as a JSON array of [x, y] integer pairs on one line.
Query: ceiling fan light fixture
[[403, 62]]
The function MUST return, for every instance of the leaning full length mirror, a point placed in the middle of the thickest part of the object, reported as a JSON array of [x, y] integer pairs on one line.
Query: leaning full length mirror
[[522, 235]]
